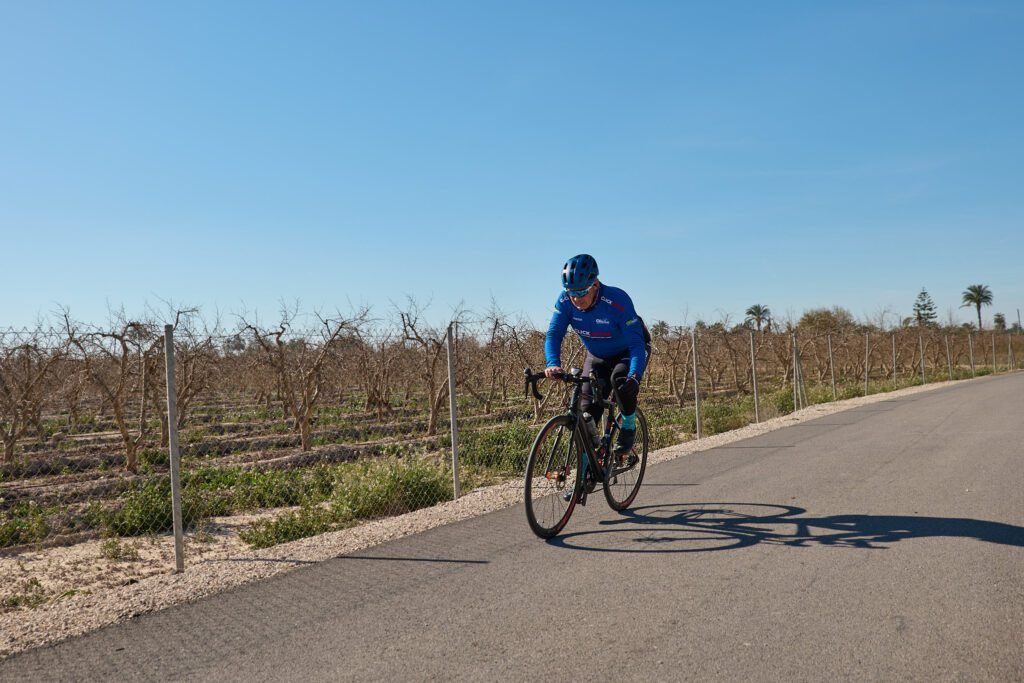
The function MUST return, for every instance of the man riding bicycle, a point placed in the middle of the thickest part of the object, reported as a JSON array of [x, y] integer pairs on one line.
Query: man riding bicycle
[[616, 340]]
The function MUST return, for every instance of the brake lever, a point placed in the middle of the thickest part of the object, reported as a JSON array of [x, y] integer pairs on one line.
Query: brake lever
[[531, 383]]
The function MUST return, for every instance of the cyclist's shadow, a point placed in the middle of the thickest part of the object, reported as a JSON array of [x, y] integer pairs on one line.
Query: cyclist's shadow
[[706, 527]]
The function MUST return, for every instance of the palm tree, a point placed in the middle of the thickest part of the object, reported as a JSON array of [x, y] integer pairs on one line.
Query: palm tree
[[759, 314], [976, 295]]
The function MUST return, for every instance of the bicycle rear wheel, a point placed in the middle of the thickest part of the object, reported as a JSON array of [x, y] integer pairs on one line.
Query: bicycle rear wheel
[[552, 484], [623, 482]]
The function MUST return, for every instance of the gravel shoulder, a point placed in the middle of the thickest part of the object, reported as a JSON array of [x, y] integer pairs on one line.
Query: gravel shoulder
[[82, 588]]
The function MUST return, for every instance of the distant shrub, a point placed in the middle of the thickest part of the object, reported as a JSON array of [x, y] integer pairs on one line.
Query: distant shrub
[[781, 400], [851, 391], [724, 415], [819, 394]]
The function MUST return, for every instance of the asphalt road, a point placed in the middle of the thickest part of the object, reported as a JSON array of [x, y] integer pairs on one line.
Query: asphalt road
[[881, 543]]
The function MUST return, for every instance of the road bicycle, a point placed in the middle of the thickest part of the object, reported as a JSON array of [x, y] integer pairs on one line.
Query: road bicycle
[[568, 458]]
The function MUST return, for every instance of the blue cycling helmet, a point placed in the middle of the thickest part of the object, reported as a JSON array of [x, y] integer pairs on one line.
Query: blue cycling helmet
[[579, 272]]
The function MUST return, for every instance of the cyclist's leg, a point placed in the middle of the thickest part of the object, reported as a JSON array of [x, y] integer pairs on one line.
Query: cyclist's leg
[[618, 374], [627, 409], [587, 394]]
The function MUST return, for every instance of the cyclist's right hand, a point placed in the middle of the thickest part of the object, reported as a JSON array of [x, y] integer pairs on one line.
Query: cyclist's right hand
[[553, 371]]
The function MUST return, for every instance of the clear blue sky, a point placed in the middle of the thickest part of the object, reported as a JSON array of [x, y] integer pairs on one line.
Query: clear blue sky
[[711, 155]]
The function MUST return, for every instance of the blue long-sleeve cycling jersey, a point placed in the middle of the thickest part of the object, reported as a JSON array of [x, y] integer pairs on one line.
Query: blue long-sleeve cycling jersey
[[608, 329]]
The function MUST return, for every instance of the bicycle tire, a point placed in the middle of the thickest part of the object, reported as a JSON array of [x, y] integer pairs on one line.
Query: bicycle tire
[[622, 482], [554, 464]]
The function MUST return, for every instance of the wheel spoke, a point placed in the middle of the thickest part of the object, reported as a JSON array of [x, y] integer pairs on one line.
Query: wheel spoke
[[551, 476], [624, 482]]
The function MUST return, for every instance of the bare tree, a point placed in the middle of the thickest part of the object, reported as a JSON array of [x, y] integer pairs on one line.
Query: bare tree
[[117, 362], [377, 355], [482, 370], [298, 362], [24, 367], [675, 345], [195, 360], [430, 343]]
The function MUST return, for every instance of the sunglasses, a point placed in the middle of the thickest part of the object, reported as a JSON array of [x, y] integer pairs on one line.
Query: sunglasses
[[578, 293]]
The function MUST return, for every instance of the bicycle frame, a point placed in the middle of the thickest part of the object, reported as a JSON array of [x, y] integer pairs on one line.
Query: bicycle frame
[[596, 464], [564, 442]]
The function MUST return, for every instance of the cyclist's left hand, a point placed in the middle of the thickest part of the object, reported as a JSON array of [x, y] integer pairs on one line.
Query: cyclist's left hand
[[629, 387]]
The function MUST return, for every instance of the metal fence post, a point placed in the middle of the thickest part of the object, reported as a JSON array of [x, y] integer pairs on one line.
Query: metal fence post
[[949, 359], [172, 438], [920, 343], [832, 368], [753, 375], [867, 367], [799, 393], [970, 349], [453, 411], [803, 385], [894, 383], [796, 391], [994, 368], [696, 385]]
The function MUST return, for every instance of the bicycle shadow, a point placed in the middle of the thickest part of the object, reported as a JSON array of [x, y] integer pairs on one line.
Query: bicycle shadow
[[710, 527]]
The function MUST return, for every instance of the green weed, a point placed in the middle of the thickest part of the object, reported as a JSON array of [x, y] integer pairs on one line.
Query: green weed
[[376, 488], [148, 510], [358, 491], [781, 400], [23, 523], [114, 549], [724, 415], [30, 593], [154, 457], [291, 526], [504, 449]]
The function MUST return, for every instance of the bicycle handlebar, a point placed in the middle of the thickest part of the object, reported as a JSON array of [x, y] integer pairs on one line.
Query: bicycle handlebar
[[532, 379]]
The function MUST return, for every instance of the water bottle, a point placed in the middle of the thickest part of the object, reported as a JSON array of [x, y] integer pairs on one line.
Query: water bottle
[[591, 429]]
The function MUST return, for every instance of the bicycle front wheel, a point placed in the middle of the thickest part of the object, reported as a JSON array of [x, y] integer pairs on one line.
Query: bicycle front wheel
[[622, 483], [552, 483]]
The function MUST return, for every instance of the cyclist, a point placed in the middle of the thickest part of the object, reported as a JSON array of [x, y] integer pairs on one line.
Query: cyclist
[[615, 337]]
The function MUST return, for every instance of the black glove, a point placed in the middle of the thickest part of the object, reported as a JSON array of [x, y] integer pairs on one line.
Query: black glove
[[629, 387]]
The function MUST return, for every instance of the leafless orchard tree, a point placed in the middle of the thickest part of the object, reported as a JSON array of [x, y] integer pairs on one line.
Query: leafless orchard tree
[[298, 362], [735, 343], [483, 368], [72, 389], [526, 350], [429, 342], [25, 367], [676, 354], [119, 362], [377, 355], [196, 362]]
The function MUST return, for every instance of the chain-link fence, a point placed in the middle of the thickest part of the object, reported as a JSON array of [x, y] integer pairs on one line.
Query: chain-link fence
[[285, 433]]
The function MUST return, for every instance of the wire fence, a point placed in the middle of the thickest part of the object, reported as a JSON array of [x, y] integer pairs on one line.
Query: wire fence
[[284, 433]]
